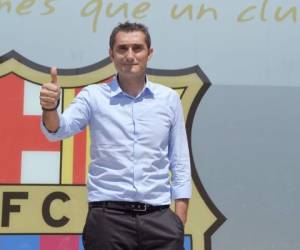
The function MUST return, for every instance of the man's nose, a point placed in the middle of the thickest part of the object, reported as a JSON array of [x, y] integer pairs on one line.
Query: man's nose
[[130, 54]]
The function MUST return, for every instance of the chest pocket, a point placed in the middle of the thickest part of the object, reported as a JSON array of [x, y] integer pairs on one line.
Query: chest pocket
[[153, 126]]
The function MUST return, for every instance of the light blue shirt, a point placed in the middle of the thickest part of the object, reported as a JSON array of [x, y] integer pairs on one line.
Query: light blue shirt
[[135, 142]]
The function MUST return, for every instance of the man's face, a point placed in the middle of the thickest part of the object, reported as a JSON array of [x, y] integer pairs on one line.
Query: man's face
[[130, 53]]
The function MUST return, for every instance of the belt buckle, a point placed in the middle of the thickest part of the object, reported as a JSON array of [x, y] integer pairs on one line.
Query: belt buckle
[[140, 207]]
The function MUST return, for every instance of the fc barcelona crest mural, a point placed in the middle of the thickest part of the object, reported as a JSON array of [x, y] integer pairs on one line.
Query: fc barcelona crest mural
[[43, 183]]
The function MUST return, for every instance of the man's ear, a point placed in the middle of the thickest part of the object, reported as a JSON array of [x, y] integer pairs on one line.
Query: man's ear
[[111, 54], [150, 53]]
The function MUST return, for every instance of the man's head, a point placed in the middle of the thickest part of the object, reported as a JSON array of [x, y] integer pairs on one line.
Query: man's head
[[130, 49], [130, 27]]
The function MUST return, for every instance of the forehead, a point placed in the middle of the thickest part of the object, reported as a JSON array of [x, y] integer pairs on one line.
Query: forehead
[[131, 37]]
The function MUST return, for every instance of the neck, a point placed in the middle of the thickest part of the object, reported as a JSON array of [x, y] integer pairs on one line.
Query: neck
[[132, 85]]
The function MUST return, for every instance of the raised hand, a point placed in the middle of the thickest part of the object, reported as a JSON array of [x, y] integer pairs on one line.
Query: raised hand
[[50, 92]]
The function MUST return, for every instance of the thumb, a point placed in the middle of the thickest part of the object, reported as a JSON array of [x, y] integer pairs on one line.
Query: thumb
[[53, 72]]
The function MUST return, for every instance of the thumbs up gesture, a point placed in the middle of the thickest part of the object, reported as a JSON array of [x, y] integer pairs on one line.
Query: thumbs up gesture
[[50, 93]]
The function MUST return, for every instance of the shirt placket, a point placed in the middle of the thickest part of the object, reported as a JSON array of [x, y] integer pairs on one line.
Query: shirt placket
[[137, 171]]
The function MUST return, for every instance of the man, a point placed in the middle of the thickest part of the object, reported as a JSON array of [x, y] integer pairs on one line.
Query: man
[[137, 136]]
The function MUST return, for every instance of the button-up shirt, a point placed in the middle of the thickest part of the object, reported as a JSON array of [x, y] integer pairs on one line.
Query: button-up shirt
[[139, 149]]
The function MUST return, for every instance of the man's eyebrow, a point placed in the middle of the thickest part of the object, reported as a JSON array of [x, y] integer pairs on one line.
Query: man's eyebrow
[[130, 44], [138, 44]]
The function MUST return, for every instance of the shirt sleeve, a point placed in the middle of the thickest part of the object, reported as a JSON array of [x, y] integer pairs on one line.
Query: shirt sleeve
[[179, 155], [74, 119]]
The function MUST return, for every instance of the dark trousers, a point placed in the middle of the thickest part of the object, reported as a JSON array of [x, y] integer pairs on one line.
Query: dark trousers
[[108, 229]]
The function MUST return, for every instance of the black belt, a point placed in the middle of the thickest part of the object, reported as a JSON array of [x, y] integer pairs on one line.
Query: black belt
[[135, 207]]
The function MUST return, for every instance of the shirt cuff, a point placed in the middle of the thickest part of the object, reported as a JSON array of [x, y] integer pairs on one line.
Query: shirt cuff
[[52, 136], [183, 191]]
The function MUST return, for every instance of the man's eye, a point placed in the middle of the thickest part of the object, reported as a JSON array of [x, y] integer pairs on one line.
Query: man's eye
[[137, 48], [122, 48]]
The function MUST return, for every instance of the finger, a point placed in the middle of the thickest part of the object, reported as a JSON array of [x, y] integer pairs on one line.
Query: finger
[[48, 100], [53, 72], [47, 104], [51, 94], [49, 87]]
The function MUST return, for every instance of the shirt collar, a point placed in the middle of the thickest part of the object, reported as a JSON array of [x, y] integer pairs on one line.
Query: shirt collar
[[116, 89]]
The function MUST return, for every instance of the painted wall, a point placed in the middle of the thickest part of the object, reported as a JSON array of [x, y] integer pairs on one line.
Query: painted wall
[[243, 117]]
